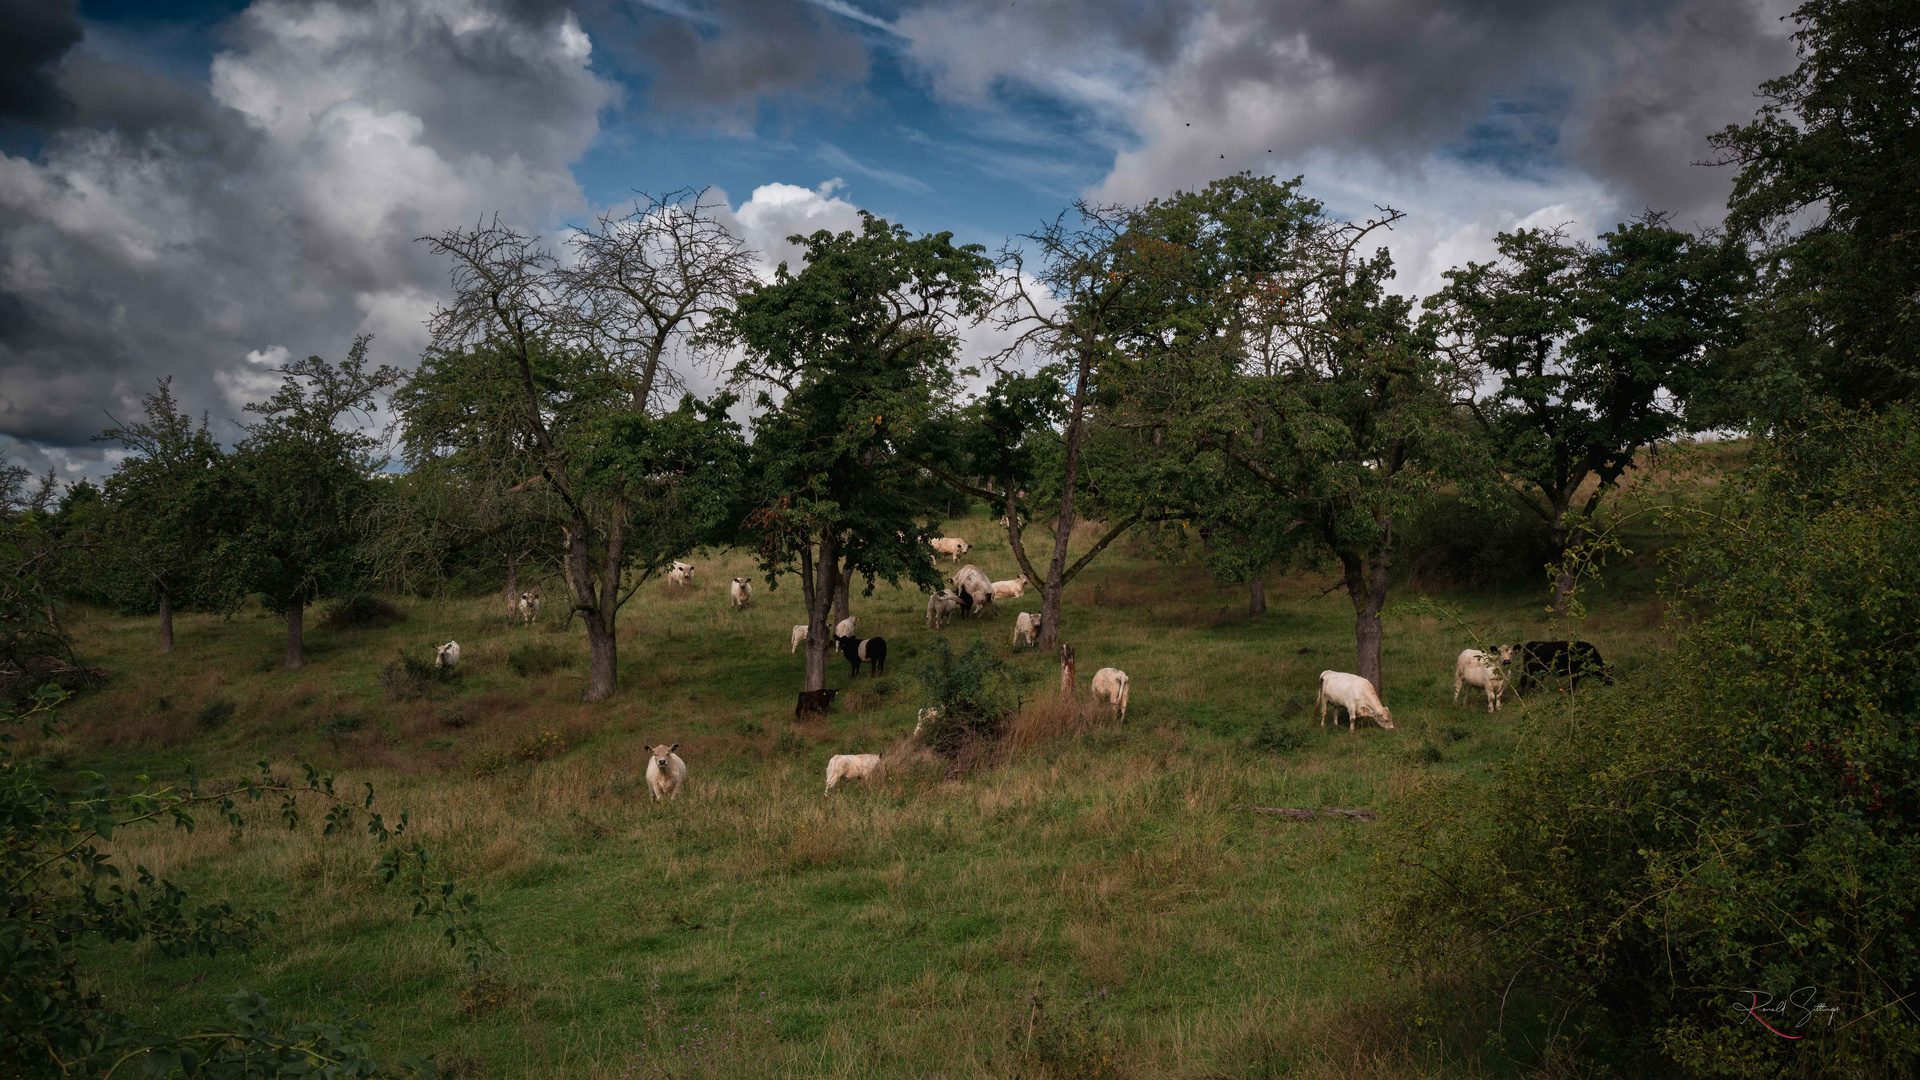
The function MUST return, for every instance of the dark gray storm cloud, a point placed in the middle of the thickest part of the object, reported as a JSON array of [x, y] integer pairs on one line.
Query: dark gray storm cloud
[[211, 231], [36, 35]]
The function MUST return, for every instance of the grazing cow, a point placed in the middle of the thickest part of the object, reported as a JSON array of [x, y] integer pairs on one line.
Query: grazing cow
[[680, 573], [1027, 626], [873, 650], [940, 609], [1112, 684], [1544, 660], [528, 605], [851, 767], [844, 628], [950, 545], [799, 635], [976, 591], [742, 592], [666, 773], [1477, 669], [814, 703], [445, 657], [1003, 590], [1354, 694]]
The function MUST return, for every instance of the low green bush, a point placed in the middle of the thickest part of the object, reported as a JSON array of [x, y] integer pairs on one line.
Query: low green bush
[[1733, 827], [538, 659], [362, 612]]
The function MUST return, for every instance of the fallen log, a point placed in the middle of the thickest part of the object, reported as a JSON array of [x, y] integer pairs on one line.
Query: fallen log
[[1301, 813]]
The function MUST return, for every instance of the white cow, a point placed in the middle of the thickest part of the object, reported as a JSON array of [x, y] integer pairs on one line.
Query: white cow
[[445, 657], [1112, 684], [950, 545], [1027, 626], [1477, 669], [940, 609], [971, 582], [851, 767], [1004, 589], [742, 592], [666, 773], [528, 607], [680, 573], [799, 635], [844, 628], [1354, 694]]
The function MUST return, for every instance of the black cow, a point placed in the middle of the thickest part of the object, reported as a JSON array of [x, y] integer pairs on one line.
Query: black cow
[[1540, 661], [873, 650], [813, 702]]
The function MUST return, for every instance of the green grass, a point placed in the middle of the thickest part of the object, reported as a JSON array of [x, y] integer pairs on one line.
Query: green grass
[[1098, 902]]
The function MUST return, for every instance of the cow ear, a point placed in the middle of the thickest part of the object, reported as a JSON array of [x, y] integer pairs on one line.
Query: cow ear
[[673, 748]]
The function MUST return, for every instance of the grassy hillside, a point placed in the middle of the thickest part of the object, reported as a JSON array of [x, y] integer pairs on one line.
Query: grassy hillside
[[1096, 901]]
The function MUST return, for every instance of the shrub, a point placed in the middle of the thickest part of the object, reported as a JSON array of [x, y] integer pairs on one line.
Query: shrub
[[538, 659], [975, 692], [1733, 824], [215, 714], [410, 678], [362, 612], [1276, 740]]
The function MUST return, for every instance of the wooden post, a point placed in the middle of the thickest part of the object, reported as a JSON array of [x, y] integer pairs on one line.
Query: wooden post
[[1066, 673]]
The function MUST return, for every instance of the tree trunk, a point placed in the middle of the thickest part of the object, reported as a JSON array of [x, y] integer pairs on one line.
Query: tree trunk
[[842, 598], [826, 570], [166, 623], [1063, 524], [603, 652], [513, 587], [1256, 597], [1066, 673], [1367, 588], [295, 619]]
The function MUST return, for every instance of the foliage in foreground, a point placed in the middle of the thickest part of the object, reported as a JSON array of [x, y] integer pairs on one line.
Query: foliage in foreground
[[1660, 864], [60, 892]]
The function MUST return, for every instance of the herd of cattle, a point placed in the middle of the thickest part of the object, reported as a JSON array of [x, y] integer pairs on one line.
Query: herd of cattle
[[971, 592]]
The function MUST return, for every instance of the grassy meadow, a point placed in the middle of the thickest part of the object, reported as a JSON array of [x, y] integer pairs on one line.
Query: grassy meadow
[[1096, 900]]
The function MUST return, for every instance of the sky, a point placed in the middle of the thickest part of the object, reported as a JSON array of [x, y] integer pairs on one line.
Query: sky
[[203, 190]]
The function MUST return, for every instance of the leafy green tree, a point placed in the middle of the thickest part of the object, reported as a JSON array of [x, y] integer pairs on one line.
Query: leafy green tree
[[1599, 350], [303, 480], [1829, 169], [1274, 360], [859, 344], [588, 350], [161, 511]]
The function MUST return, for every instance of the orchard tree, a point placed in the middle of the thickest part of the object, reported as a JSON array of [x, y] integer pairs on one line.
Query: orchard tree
[[304, 475], [1599, 349], [853, 358], [589, 349], [1829, 188], [162, 510], [1278, 358]]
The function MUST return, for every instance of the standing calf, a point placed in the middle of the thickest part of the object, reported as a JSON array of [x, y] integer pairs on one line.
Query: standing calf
[[851, 767], [680, 573], [666, 773], [1027, 626], [799, 635], [950, 545], [940, 609], [1477, 669], [1354, 694], [872, 650], [446, 656], [1112, 684], [742, 592]]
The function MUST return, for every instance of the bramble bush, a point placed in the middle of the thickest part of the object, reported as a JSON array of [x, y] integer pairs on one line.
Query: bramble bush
[[1737, 826], [61, 892], [975, 691]]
